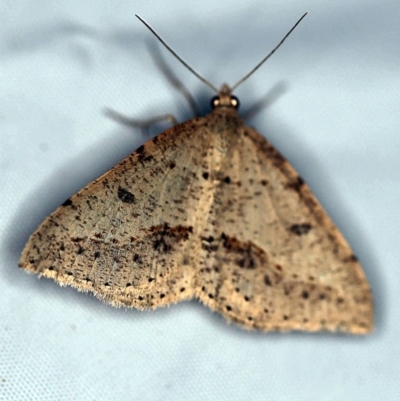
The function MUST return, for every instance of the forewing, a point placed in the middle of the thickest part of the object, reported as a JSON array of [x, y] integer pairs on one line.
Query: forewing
[[272, 258], [127, 236]]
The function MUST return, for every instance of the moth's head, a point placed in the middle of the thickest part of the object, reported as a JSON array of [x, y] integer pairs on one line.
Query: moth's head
[[225, 98]]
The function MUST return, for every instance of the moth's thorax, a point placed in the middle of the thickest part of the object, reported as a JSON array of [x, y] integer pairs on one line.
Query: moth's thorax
[[226, 128], [225, 119]]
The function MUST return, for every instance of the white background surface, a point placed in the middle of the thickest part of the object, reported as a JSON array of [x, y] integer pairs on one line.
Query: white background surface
[[338, 123]]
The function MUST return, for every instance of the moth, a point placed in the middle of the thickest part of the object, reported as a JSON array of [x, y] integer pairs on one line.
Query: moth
[[208, 209]]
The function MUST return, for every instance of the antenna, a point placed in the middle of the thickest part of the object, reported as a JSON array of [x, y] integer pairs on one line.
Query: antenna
[[214, 88], [268, 55], [182, 61]]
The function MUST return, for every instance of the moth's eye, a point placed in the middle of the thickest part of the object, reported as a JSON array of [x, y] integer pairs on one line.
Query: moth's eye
[[235, 102], [215, 102]]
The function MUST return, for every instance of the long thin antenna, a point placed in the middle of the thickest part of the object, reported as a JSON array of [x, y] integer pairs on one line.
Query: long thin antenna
[[268, 56], [182, 61], [203, 79]]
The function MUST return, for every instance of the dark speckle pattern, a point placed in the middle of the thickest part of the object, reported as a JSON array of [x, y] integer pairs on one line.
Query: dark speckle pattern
[[208, 210], [125, 195]]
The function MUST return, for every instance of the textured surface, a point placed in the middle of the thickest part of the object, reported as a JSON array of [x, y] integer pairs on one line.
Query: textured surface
[[208, 209], [63, 62]]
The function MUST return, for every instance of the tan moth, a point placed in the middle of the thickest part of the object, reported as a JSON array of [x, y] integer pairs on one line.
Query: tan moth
[[208, 210]]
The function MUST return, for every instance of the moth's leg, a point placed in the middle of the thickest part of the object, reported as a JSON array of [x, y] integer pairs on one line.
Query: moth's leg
[[271, 97], [173, 79], [143, 124], [175, 82]]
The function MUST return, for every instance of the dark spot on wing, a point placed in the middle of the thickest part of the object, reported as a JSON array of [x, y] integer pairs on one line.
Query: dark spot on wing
[[351, 258], [125, 196], [272, 279], [267, 281], [300, 229], [142, 155], [296, 184], [164, 237], [137, 258], [68, 202], [246, 254], [77, 239], [209, 244]]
